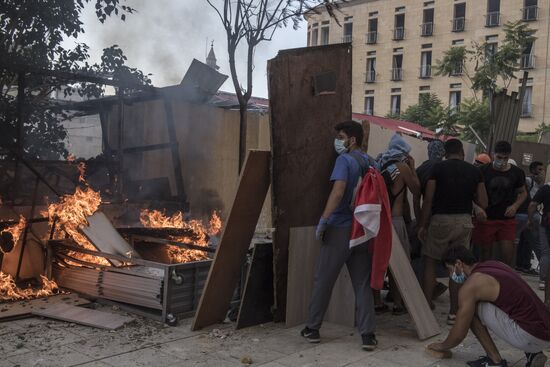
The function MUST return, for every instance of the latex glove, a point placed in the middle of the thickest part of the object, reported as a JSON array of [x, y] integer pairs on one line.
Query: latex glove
[[321, 228]]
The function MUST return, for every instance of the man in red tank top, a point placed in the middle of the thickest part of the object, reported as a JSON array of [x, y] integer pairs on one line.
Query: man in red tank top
[[494, 297]]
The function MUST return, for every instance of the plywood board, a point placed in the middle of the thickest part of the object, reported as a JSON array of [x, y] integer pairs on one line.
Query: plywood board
[[83, 316], [400, 266], [303, 253], [23, 308], [235, 240], [104, 236]]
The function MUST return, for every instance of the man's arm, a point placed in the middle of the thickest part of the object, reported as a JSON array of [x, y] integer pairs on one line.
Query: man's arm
[[512, 209], [426, 209], [531, 210], [481, 199], [335, 197]]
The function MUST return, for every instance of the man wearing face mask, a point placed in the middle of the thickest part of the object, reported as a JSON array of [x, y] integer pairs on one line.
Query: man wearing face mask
[[494, 297], [505, 185], [334, 230]]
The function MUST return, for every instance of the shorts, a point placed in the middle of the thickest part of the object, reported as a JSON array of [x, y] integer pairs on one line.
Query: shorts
[[488, 232], [508, 330], [446, 231]]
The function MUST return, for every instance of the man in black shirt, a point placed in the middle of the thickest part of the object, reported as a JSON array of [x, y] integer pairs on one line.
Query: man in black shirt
[[447, 208], [505, 185], [542, 197]]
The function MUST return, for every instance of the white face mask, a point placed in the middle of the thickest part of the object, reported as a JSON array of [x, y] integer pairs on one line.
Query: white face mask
[[500, 163], [340, 146]]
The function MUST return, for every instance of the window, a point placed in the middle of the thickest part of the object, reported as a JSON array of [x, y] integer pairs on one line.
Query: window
[[491, 49], [459, 19], [395, 107], [530, 10], [372, 34], [493, 13], [369, 105], [428, 22], [397, 67], [399, 29], [528, 57], [424, 88], [324, 35], [426, 64], [457, 42], [371, 70], [454, 100], [348, 32], [314, 34], [527, 104]]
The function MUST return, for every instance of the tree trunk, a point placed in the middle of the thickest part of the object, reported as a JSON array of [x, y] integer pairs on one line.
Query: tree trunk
[[242, 134]]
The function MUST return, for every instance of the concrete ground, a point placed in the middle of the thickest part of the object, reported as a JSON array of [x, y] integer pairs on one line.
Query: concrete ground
[[42, 342]]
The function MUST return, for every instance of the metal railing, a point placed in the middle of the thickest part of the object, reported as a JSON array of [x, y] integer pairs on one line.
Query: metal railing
[[530, 12], [458, 24], [526, 109], [427, 29], [398, 33], [492, 19], [370, 76], [369, 112], [347, 38], [527, 61], [371, 38], [396, 74], [425, 71], [457, 70]]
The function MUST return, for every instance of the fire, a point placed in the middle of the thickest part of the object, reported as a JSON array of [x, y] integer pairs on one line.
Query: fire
[[198, 232], [16, 229], [10, 292]]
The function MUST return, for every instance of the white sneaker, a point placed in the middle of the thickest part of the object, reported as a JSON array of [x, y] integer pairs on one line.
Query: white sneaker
[[542, 286]]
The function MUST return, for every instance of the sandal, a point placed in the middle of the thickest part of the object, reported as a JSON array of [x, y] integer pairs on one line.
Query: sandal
[[451, 319]]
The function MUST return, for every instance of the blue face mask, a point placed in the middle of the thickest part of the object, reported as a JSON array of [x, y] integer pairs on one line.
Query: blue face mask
[[458, 278], [340, 146]]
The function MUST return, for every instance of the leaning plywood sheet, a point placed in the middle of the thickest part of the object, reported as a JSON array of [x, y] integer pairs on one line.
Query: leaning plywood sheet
[[303, 253], [235, 240], [83, 316], [24, 308], [104, 236], [400, 266]]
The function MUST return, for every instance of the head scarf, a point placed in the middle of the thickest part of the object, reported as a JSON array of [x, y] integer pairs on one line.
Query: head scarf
[[436, 150], [398, 150]]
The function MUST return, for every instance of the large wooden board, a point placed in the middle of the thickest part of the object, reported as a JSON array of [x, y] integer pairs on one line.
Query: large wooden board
[[303, 253], [83, 316], [302, 134], [400, 266], [235, 240], [18, 309]]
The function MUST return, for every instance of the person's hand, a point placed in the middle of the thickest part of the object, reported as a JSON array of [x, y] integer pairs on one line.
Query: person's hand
[[422, 234], [510, 211], [481, 216], [438, 347], [321, 229]]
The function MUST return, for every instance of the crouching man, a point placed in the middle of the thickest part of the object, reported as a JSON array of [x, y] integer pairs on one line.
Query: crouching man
[[494, 297]]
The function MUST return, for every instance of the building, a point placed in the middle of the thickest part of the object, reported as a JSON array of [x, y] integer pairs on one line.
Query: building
[[396, 42]]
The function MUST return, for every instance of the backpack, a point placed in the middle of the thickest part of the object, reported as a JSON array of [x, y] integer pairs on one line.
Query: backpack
[[364, 166], [388, 180]]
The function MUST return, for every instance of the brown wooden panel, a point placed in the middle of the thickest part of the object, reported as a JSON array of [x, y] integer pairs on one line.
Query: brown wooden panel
[[24, 308], [302, 130], [235, 240]]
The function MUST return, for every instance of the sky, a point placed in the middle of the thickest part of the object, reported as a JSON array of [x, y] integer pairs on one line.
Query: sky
[[164, 36]]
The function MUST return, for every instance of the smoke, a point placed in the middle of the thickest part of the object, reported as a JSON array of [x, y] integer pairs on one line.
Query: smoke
[[164, 36]]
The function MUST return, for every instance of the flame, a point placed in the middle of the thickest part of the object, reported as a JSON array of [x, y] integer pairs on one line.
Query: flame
[[82, 169], [198, 233], [10, 292], [16, 229]]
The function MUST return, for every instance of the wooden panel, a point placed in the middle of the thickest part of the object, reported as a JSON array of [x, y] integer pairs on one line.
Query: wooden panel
[[424, 320], [83, 316], [302, 261], [235, 240], [302, 130], [23, 308]]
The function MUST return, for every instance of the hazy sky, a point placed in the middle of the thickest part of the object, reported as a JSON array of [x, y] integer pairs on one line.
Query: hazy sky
[[164, 36]]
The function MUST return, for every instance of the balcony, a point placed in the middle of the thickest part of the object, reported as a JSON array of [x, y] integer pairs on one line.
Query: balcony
[[427, 29], [526, 109], [458, 24], [530, 13], [396, 74], [492, 19], [457, 70], [347, 38], [528, 61], [371, 38], [398, 34], [370, 76], [425, 71]]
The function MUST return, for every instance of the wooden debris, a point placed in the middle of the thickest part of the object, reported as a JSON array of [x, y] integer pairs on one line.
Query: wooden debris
[[19, 309]]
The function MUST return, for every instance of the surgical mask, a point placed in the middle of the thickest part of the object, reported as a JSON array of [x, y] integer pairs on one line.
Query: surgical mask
[[458, 278], [500, 163], [340, 146]]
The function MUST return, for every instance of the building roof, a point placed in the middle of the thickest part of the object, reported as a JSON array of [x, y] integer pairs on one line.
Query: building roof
[[402, 126], [229, 100]]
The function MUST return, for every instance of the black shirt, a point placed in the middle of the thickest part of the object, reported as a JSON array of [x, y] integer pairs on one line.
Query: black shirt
[[543, 197], [424, 172], [456, 184], [501, 189]]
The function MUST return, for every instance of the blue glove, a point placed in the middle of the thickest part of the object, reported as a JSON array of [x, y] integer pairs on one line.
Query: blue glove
[[321, 228]]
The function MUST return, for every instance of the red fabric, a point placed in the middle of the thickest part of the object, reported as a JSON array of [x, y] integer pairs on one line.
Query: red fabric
[[372, 192], [488, 232]]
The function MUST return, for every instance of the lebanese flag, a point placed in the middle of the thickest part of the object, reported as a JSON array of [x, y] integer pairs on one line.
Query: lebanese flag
[[372, 223]]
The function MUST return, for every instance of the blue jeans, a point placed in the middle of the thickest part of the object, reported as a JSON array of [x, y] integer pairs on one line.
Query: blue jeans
[[542, 250]]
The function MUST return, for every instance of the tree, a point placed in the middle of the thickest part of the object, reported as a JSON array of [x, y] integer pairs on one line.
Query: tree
[[32, 39], [254, 22], [474, 115], [423, 112]]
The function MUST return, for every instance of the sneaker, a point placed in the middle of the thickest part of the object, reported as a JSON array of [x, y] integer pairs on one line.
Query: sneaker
[[535, 359], [311, 335], [369, 342], [451, 319], [542, 285], [485, 361]]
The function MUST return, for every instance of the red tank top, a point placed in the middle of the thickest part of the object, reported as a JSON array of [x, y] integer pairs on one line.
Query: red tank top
[[517, 299]]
